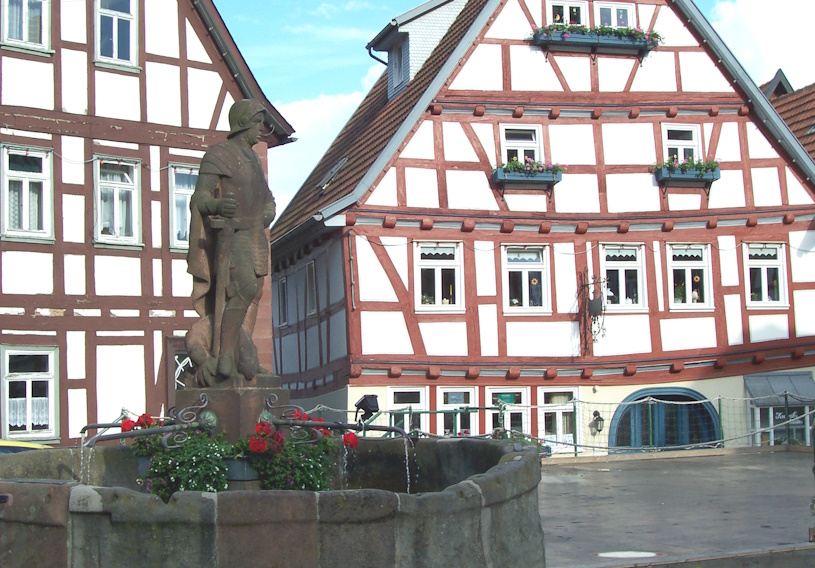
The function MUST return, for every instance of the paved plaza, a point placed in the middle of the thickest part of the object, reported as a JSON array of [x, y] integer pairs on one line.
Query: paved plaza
[[676, 505]]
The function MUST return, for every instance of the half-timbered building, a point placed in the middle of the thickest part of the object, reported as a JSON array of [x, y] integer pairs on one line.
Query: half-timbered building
[[106, 108], [411, 265]]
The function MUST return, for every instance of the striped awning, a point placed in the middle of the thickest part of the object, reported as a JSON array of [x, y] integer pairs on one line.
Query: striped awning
[[772, 390]]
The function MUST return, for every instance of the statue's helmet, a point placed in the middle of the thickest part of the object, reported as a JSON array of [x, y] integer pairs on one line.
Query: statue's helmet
[[242, 113]]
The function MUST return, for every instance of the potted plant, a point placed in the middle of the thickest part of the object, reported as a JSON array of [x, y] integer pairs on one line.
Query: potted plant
[[603, 39]]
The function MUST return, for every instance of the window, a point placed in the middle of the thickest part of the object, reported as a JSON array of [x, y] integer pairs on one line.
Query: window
[[765, 274], [623, 270], [568, 13], [520, 142], [182, 184], [689, 276], [438, 275], [526, 279], [614, 15], [557, 419], [29, 392], [26, 23], [511, 409], [403, 404], [455, 421], [282, 302], [311, 290], [117, 201], [116, 31], [682, 142], [396, 69], [26, 193]]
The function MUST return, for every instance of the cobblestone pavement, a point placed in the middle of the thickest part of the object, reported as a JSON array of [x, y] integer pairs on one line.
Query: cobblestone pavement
[[677, 505]]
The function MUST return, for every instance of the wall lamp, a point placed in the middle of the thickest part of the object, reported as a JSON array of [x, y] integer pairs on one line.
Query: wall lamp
[[368, 404], [597, 423]]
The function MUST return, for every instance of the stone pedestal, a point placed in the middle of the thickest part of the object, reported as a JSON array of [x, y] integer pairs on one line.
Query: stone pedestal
[[236, 406]]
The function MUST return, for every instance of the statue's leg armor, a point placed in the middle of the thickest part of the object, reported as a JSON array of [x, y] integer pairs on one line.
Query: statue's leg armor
[[242, 289]]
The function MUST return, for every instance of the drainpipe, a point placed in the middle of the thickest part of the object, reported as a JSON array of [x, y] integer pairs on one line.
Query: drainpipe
[[370, 52]]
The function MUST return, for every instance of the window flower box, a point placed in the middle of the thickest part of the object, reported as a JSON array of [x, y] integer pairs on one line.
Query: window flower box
[[596, 40], [688, 178], [545, 180]]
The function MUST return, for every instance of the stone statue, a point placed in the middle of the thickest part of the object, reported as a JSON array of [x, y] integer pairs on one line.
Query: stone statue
[[229, 252]]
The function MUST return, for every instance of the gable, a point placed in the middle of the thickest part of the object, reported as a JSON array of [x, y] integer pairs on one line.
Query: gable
[[605, 115]]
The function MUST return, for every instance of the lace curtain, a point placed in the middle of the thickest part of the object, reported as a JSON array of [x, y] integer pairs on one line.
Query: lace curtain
[[17, 417]]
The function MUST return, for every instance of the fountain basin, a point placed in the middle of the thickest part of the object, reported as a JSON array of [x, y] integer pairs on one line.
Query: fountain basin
[[471, 502]]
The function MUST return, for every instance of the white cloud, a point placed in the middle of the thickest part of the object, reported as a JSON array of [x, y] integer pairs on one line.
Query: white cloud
[[763, 47], [316, 123]]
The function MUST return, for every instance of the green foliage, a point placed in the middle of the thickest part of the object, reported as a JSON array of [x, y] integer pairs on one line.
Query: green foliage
[[530, 167], [298, 466], [196, 465], [700, 166]]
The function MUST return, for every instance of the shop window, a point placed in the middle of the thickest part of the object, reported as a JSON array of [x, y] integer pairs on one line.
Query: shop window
[[455, 420], [509, 409], [557, 419], [408, 408]]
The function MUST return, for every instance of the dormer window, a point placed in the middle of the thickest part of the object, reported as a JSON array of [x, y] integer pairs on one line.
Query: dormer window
[[395, 66]]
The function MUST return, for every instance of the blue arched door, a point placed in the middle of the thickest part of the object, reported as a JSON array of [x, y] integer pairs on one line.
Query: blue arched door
[[663, 418]]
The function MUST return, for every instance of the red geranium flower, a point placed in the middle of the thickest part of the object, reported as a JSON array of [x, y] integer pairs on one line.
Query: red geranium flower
[[349, 439], [263, 428], [257, 445], [127, 425], [144, 421]]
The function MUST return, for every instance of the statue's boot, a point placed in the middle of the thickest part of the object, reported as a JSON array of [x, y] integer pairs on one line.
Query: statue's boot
[[230, 330]]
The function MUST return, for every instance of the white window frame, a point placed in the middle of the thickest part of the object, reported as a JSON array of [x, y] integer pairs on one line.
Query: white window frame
[[45, 178], [437, 266], [688, 266], [614, 6], [522, 408], [45, 26], [282, 302], [695, 144], [543, 266], [780, 263], [556, 442], [180, 193], [532, 149], [622, 266], [134, 186], [131, 17], [52, 376], [440, 405], [311, 289], [567, 4], [422, 405]]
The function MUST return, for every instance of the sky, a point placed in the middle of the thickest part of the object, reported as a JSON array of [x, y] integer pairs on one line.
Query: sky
[[309, 58]]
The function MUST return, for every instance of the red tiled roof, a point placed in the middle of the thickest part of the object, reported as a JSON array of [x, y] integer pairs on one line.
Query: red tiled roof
[[798, 111], [368, 131]]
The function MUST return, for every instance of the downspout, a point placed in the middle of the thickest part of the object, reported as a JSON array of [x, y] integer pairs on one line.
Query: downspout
[[370, 52]]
